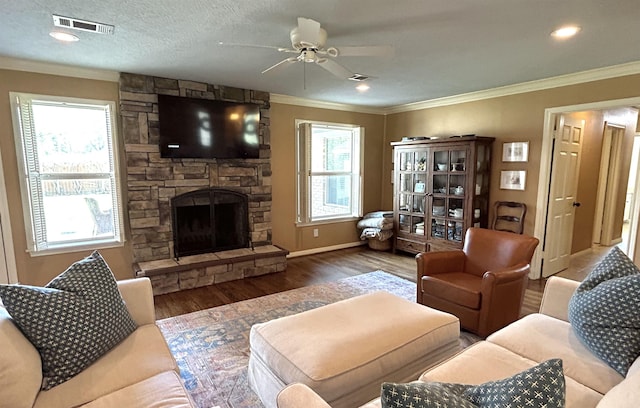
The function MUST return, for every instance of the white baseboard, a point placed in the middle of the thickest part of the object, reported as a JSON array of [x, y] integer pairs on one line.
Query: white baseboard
[[325, 249]]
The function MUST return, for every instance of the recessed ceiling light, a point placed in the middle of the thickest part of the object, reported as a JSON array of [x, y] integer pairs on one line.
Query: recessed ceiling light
[[566, 32], [363, 87], [66, 37]]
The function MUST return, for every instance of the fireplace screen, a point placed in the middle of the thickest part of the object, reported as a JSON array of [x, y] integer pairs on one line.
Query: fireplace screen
[[209, 220]]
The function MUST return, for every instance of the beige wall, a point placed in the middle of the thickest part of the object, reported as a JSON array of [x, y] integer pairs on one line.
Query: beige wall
[[508, 118], [41, 269], [285, 232]]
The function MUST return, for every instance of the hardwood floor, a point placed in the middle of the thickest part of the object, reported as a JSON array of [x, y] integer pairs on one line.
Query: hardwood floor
[[331, 266]]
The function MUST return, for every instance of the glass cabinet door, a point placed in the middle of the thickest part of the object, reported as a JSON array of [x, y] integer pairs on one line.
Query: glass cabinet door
[[448, 178], [412, 191]]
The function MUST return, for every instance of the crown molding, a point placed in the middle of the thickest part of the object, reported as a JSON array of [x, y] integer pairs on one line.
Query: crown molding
[[39, 67], [524, 87], [630, 68], [312, 103]]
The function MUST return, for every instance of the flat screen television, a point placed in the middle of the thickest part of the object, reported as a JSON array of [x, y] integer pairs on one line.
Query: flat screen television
[[207, 129]]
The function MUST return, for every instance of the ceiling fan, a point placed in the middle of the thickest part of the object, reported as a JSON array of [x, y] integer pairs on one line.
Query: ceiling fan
[[308, 40]]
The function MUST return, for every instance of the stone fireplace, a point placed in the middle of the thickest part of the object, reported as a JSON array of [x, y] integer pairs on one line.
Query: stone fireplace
[[209, 220], [153, 183]]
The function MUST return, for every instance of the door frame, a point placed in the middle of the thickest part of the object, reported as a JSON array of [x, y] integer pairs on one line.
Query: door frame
[[544, 177], [634, 220], [609, 170]]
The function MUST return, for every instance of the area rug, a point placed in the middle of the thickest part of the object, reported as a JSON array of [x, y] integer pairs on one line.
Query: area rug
[[212, 346]]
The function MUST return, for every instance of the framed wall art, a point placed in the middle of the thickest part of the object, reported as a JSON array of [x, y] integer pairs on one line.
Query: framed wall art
[[513, 179], [515, 152]]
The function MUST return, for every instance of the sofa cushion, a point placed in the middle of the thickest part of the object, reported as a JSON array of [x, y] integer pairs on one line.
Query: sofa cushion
[[74, 320], [625, 394], [163, 390], [540, 385], [20, 367], [539, 337], [141, 355], [485, 361], [605, 311]]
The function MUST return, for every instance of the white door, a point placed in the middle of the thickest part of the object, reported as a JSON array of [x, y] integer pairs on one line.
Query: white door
[[562, 195]]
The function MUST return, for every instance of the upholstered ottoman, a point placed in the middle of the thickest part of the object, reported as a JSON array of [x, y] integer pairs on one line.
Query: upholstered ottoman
[[345, 350]]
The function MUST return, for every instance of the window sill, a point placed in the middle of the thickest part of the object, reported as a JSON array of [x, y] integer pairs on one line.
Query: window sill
[[76, 248], [327, 221]]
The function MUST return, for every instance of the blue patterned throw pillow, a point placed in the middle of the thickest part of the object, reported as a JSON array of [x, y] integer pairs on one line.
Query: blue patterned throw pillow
[[72, 321], [604, 311], [539, 386]]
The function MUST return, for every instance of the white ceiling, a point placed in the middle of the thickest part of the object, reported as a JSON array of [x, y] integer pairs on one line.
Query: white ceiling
[[442, 47]]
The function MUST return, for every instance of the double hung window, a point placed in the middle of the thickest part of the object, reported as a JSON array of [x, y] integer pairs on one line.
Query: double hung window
[[68, 170], [329, 168]]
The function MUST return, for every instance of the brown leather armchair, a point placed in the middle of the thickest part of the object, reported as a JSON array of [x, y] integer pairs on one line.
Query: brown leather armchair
[[483, 284]]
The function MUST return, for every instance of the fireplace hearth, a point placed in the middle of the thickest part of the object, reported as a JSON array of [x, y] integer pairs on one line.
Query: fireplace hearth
[[209, 220]]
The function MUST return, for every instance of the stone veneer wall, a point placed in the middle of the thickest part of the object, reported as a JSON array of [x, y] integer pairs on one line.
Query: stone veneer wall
[[152, 181]]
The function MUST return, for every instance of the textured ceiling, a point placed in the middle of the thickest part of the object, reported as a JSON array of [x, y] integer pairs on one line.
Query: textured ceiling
[[442, 47]]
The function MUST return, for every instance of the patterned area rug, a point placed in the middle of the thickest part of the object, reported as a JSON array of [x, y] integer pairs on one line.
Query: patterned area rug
[[212, 346]]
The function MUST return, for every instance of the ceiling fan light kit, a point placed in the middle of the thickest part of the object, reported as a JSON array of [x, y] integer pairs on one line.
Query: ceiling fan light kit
[[308, 40]]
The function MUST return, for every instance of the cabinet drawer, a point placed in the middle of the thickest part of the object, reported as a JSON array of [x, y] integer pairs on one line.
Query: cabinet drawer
[[410, 246], [442, 245]]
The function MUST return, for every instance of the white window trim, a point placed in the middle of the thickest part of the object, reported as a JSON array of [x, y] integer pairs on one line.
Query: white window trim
[[32, 249], [303, 175]]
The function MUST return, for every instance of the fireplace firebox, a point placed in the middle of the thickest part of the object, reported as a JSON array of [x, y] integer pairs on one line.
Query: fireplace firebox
[[209, 220]]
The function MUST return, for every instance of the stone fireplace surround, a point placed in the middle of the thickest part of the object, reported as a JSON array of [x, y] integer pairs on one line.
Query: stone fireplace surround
[[153, 181]]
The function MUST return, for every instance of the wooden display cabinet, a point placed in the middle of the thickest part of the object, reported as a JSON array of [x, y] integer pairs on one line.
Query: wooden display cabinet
[[441, 188]]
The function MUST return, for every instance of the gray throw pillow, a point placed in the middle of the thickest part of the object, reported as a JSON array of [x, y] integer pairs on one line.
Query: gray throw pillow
[[604, 312], [72, 321], [539, 386]]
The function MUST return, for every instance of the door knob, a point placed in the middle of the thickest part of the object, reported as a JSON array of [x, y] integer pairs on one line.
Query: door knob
[[576, 204]]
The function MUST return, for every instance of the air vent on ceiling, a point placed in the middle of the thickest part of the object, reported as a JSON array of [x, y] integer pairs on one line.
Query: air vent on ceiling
[[358, 77], [83, 25]]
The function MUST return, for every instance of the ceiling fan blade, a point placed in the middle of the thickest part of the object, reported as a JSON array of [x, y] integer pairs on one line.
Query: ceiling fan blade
[[228, 44], [335, 68], [270, 47], [366, 51], [280, 64], [308, 30]]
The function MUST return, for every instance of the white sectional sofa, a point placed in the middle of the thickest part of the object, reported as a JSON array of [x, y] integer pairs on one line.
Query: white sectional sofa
[[138, 372], [523, 344]]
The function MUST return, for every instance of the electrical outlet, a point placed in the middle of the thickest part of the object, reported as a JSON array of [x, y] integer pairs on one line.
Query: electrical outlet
[[315, 233]]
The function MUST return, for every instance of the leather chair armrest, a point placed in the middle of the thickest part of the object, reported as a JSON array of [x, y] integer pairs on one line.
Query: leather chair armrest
[[433, 263], [299, 395], [505, 275], [502, 296]]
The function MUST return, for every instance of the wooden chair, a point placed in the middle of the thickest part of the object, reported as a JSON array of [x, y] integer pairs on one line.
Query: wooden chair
[[483, 284], [509, 216]]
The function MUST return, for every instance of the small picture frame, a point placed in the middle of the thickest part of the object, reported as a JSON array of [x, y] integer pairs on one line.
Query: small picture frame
[[420, 187], [515, 152], [513, 179]]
